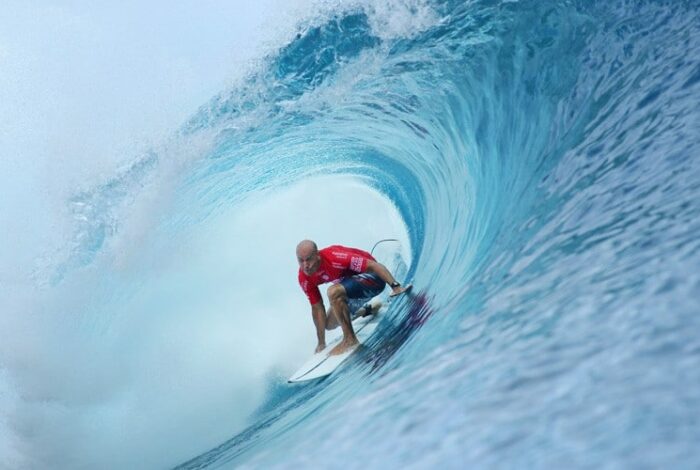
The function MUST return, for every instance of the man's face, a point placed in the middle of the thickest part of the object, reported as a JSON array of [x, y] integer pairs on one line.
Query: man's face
[[309, 260]]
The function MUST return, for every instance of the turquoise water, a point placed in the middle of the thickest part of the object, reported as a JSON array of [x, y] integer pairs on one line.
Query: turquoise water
[[543, 156]]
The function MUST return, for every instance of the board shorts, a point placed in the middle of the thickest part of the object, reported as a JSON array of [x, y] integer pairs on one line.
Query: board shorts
[[362, 286]]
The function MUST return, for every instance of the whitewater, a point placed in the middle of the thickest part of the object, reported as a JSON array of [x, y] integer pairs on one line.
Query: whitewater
[[537, 160]]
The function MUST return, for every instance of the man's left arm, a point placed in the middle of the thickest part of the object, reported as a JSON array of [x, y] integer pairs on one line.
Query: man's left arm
[[380, 270]]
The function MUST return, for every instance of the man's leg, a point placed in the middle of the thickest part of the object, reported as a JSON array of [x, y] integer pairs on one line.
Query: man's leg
[[331, 321], [339, 305], [361, 288]]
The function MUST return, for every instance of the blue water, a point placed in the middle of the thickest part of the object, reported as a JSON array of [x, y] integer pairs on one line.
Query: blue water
[[543, 156]]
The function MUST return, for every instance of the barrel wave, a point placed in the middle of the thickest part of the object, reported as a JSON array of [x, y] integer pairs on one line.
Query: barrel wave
[[543, 158]]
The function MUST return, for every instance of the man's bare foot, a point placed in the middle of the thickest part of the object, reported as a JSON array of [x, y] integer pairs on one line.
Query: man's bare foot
[[364, 311], [344, 346]]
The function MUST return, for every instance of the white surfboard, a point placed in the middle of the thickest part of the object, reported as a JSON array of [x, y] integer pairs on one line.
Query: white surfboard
[[322, 363]]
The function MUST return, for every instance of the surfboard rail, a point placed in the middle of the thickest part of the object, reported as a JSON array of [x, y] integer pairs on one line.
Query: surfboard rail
[[322, 364]]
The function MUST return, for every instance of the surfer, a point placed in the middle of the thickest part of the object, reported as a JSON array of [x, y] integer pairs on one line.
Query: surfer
[[355, 275]]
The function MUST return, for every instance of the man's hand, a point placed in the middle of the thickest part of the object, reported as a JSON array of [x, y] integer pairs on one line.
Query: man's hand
[[400, 290], [320, 347], [380, 270]]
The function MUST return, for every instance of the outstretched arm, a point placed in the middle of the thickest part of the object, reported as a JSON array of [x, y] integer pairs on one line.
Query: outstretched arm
[[380, 270], [318, 313]]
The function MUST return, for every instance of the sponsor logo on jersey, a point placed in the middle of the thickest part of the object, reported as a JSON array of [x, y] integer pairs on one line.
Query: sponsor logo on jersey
[[356, 263]]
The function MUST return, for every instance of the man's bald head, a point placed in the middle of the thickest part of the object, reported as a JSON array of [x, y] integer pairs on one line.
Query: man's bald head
[[308, 257], [307, 246]]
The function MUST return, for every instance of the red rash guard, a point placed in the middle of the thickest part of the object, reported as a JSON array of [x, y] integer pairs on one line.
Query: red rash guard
[[336, 262]]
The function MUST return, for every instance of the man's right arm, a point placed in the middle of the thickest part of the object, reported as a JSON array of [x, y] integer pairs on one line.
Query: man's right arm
[[318, 312]]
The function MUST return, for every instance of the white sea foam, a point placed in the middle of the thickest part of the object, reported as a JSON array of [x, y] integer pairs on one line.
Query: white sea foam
[[151, 350]]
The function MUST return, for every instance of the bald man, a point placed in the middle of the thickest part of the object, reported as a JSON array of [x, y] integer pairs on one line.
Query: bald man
[[355, 275]]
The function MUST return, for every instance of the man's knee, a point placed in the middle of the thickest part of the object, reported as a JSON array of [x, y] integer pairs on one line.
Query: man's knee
[[336, 292]]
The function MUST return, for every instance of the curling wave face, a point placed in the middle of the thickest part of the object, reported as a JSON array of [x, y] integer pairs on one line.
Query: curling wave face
[[541, 155]]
